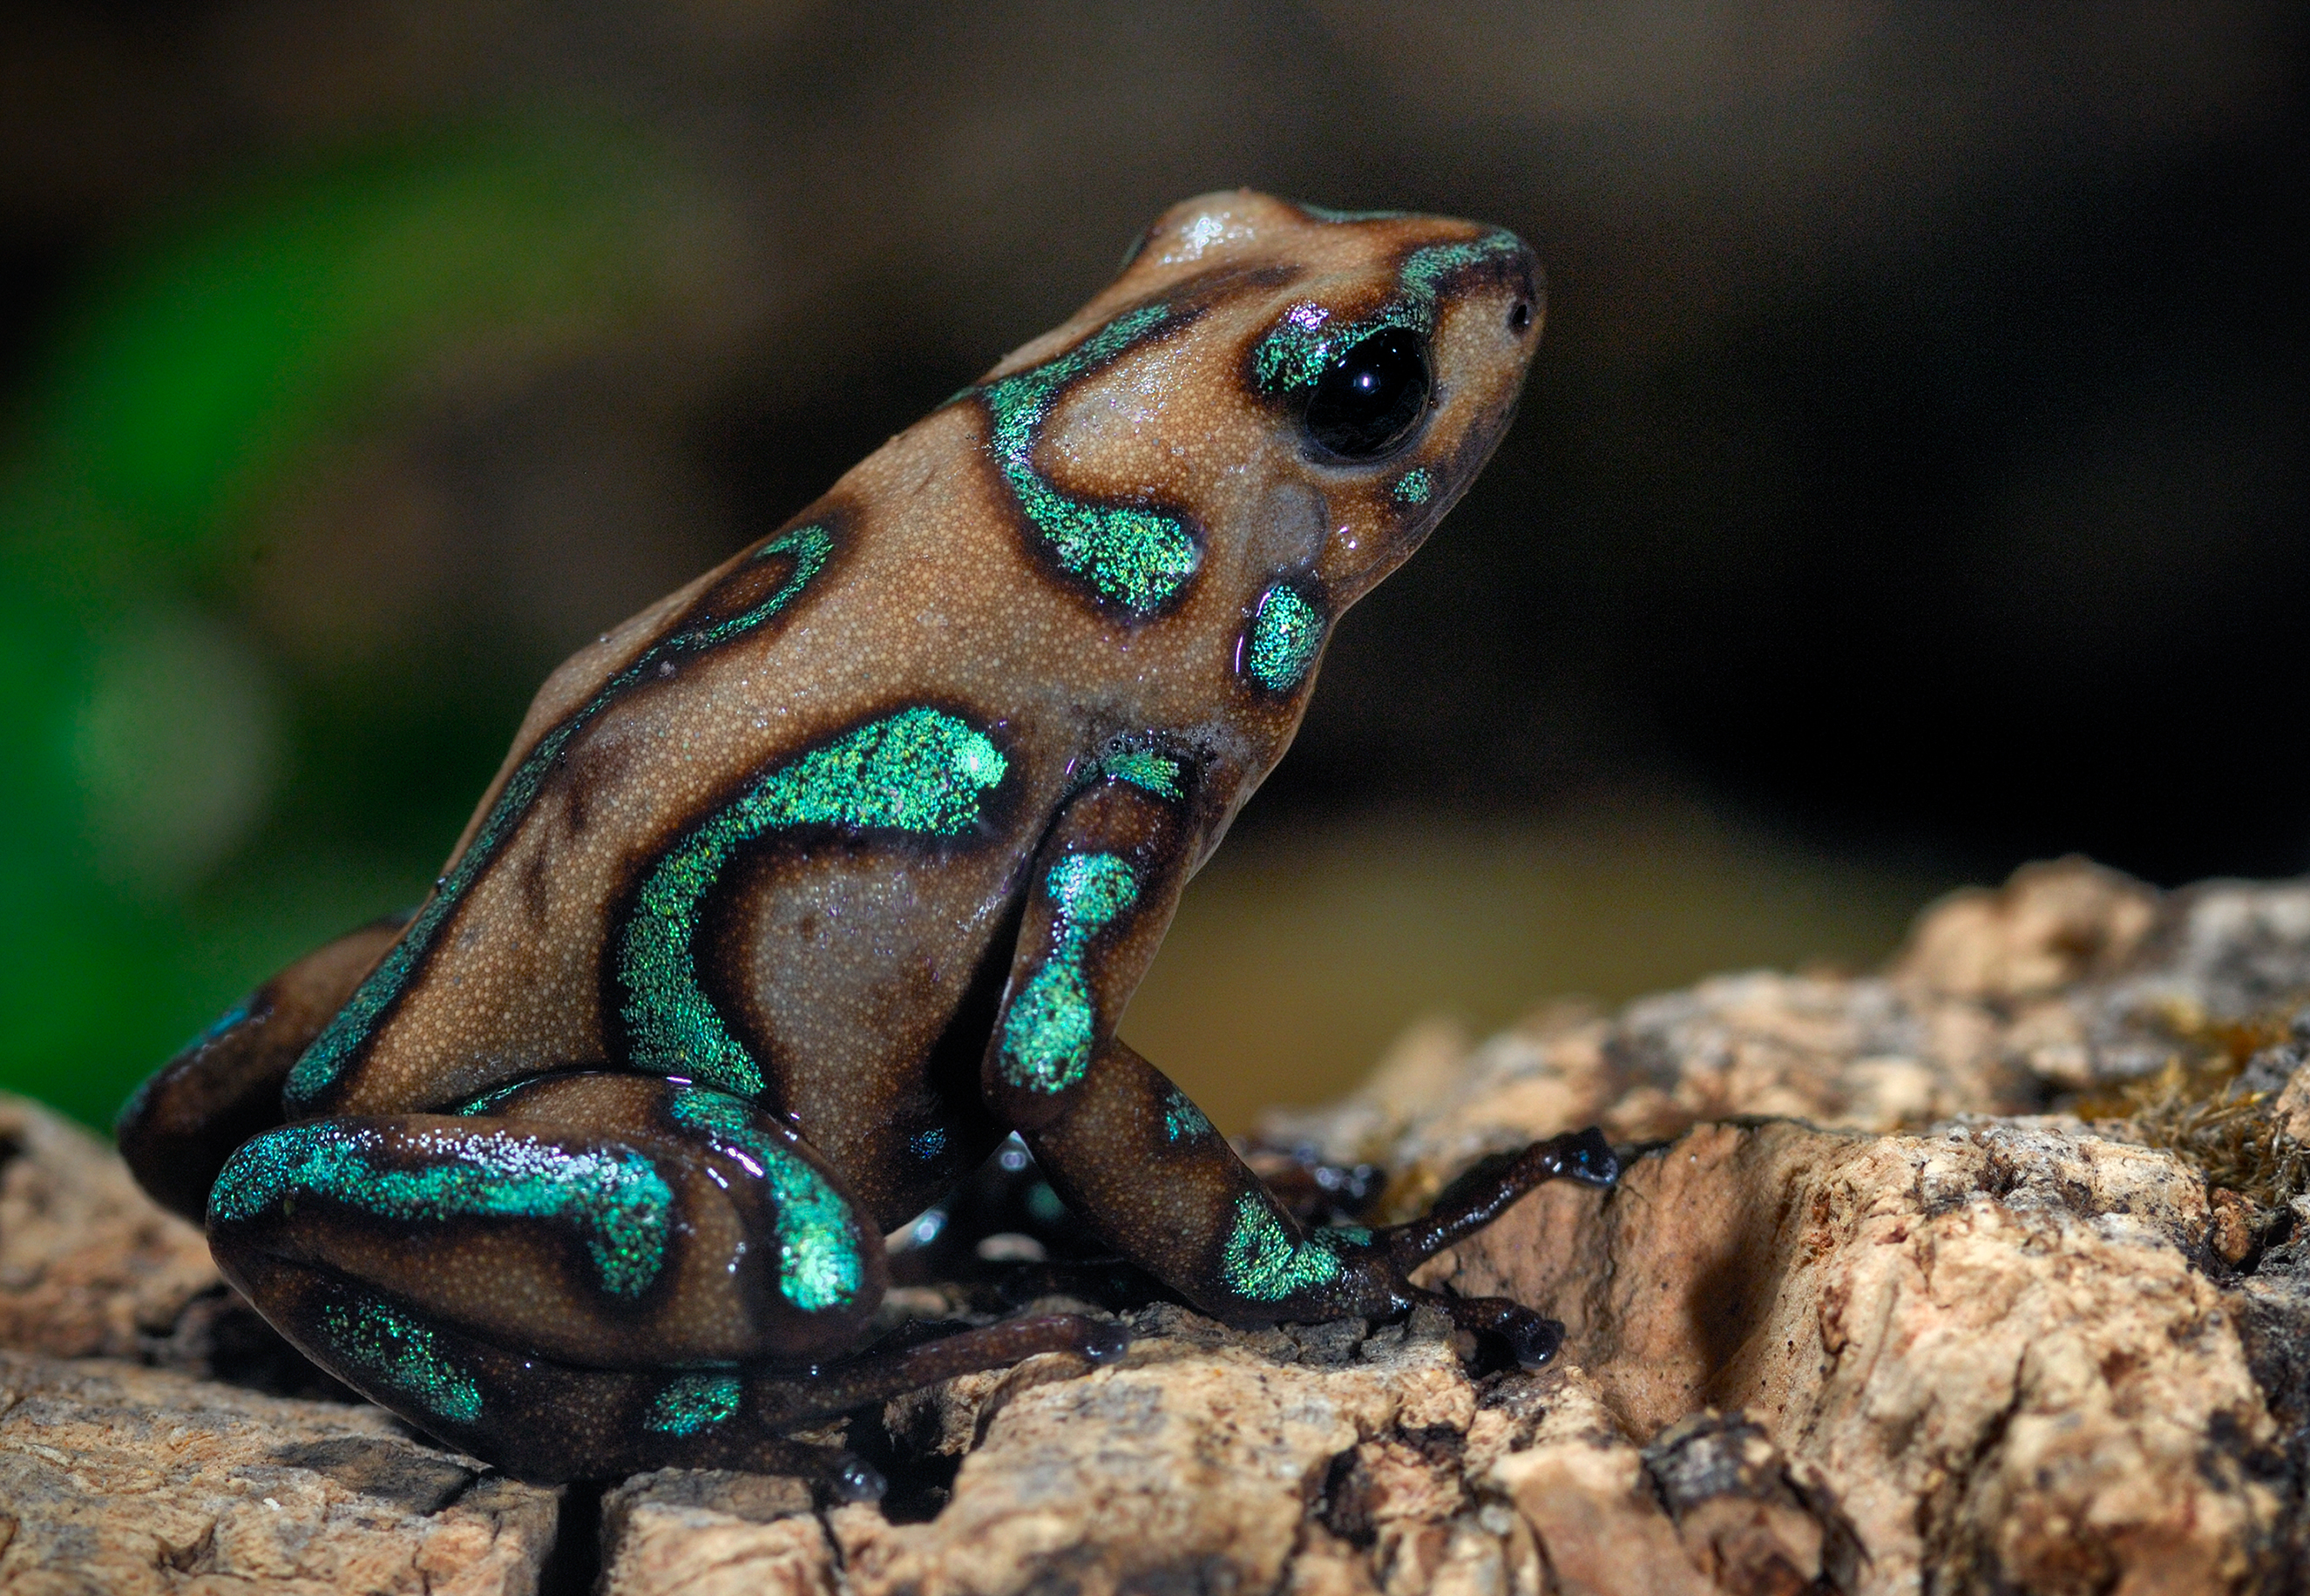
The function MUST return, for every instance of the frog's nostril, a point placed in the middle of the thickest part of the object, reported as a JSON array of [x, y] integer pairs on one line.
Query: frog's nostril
[[1519, 317]]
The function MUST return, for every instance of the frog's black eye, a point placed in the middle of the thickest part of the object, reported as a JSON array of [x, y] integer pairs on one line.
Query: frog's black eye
[[1369, 399]]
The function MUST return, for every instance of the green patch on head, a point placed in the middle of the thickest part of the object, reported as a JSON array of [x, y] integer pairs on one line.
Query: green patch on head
[[1145, 769], [1134, 557], [1285, 635], [1302, 346]]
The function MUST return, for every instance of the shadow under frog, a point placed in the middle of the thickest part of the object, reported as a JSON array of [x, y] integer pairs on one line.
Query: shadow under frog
[[804, 887]]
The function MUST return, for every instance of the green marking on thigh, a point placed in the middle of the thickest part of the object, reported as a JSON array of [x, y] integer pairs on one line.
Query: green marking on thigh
[[819, 1262], [614, 1196]]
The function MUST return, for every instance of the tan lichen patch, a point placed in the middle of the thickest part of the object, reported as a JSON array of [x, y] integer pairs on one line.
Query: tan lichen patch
[[2197, 1108]]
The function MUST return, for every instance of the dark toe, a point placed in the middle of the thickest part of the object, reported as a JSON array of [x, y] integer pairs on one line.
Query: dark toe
[[1532, 1339], [855, 1480], [1590, 1159], [1107, 1341]]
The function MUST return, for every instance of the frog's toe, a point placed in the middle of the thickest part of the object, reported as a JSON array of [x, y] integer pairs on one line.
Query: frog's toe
[[1105, 1343], [1484, 1192], [1531, 1339], [1589, 1158], [855, 1480]]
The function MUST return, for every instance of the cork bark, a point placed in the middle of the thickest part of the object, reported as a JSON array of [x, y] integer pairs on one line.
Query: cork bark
[[1987, 1272]]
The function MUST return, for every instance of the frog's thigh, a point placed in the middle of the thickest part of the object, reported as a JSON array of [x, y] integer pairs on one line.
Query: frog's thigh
[[603, 1221]]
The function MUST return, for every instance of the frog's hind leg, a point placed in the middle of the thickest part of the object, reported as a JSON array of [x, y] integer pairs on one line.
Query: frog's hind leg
[[584, 1275], [578, 1225], [181, 1125], [548, 1420]]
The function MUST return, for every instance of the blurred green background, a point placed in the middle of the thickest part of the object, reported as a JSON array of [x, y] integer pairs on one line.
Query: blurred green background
[[1911, 482]]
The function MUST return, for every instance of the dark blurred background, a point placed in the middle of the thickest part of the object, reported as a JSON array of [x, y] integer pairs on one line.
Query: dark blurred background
[[1911, 482]]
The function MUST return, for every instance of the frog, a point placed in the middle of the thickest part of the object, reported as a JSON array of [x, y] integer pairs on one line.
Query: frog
[[802, 890]]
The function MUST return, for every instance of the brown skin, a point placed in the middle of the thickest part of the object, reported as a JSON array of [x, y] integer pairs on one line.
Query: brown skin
[[907, 990]]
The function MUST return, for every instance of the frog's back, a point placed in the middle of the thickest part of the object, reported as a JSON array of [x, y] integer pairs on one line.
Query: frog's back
[[771, 834]]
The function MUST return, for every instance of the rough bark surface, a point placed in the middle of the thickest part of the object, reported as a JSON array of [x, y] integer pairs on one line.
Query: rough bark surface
[[115, 1478], [1990, 1271], [88, 1265]]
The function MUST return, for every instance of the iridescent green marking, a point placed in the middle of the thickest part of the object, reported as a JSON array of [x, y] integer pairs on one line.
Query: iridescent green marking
[[809, 547], [920, 770], [693, 1402], [1424, 272], [1182, 1120], [1326, 213], [615, 1199], [1285, 635], [1295, 352], [1261, 1262], [819, 1264], [1136, 558], [1047, 1036], [1148, 771], [1413, 486], [401, 1353], [1308, 338]]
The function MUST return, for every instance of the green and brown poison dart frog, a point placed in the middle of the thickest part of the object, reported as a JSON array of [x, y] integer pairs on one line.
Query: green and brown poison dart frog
[[804, 887]]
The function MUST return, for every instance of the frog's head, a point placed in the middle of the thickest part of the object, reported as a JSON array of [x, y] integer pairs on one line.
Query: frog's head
[[1310, 390]]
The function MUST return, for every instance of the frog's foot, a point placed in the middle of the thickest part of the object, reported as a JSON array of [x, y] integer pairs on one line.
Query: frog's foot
[[1529, 1338], [1474, 1200]]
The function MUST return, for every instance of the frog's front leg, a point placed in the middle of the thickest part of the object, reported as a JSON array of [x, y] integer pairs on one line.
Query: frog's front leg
[[584, 1275], [1140, 1162]]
